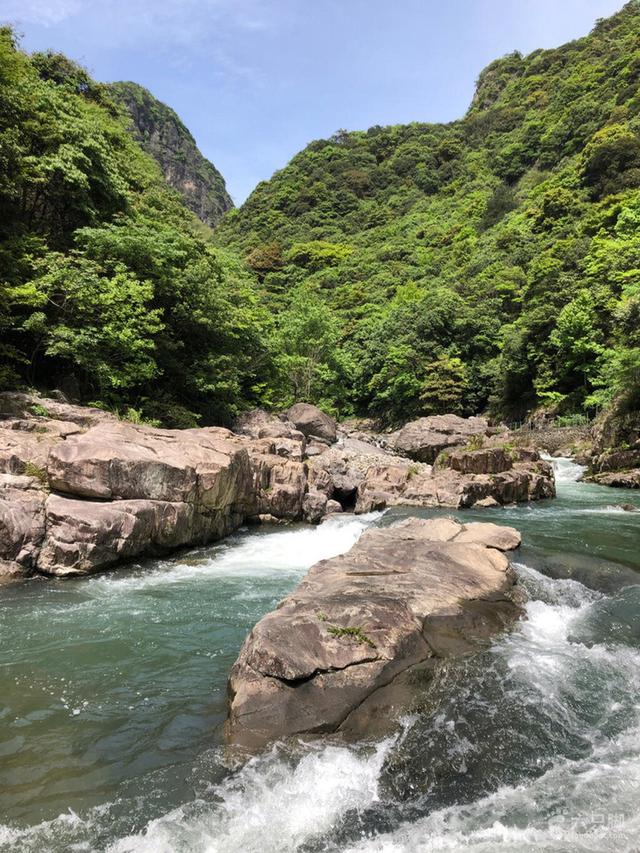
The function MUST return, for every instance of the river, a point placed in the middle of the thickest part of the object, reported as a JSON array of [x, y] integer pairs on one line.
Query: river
[[113, 697]]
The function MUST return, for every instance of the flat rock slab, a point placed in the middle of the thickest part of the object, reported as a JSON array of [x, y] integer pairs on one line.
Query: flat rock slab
[[403, 595]]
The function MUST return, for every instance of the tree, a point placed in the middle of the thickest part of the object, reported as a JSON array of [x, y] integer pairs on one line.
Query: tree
[[311, 366], [445, 387]]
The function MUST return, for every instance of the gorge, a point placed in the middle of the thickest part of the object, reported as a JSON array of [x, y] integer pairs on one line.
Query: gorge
[[319, 515]]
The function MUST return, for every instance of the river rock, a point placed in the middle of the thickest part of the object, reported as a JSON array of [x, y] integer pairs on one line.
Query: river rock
[[404, 595], [311, 421], [617, 479], [123, 490], [314, 506], [22, 524], [425, 438], [86, 536], [487, 460], [528, 478], [280, 484], [286, 439]]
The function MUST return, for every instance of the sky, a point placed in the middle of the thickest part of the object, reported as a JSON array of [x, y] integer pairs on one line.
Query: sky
[[256, 80]]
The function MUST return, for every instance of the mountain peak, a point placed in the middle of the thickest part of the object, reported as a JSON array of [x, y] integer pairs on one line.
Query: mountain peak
[[163, 135]]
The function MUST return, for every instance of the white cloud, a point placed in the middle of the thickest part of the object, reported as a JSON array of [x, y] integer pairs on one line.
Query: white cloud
[[180, 32], [46, 13], [180, 19]]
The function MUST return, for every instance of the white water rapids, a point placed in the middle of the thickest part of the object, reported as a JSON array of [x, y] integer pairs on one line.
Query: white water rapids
[[532, 745]]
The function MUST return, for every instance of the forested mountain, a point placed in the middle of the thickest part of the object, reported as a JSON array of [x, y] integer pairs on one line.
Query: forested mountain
[[488, 264], [109, 287], [493, 261], [164, 136]]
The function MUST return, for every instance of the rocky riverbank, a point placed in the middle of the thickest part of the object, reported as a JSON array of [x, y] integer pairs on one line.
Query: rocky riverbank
[[342, 650], [615, 455], [81, 490]]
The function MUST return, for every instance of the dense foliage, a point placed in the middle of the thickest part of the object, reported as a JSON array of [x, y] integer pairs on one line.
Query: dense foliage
[[494, 261], [109, 287], [491, 263]]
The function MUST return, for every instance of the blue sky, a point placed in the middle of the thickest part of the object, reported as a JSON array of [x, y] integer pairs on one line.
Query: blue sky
[[256, 80]]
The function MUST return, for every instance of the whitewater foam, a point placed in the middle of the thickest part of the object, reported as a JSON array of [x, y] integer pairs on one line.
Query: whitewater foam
[[271, 805], [259, 553], [565, 468]]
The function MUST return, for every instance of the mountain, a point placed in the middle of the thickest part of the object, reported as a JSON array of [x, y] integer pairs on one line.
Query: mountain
[[490, 262], [164, 136]]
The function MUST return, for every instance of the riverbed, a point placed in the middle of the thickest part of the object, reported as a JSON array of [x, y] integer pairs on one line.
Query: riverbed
[[113, 698]]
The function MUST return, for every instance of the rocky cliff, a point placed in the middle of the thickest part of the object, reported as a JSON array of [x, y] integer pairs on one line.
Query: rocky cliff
[[164, 136]]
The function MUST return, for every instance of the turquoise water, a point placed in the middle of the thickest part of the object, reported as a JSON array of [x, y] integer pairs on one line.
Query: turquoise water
[[113, 697]]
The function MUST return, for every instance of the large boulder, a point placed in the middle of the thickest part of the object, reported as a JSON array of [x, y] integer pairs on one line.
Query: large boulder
[[86, 536], [279, 485], [121, 490], [618, 479], [487, 460], [340, 469], [285, 438], [425, 438], [43, 410], [22, 524], [459, 479], [313, 422], [328, 657]]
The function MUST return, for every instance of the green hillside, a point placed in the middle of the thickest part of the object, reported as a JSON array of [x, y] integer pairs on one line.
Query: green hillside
[[109, 287], [493, 261], [488, 264]]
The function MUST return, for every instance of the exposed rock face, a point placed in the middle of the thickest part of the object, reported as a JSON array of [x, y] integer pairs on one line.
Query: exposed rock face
[[279, 485], [161, 133], [339, 471], [21, 524], [122, 490], [286, 439], [425, 438], [84, 536], [313, 422], [335, 646], [618, 479], [487, 477], [81, 491], [615, 453]]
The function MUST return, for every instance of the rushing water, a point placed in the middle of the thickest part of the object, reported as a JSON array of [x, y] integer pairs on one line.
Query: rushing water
[[113, 696]]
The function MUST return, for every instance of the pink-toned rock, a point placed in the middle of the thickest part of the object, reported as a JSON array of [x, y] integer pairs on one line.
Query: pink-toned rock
[[486, 460], [617, 479], [420, 485], [314, 506], [21, 524], [144, 490], [117, 460], [169, 488], [402, 596], [425, 438], [279, 485], [86, 536], [286, 440], [312, 421]]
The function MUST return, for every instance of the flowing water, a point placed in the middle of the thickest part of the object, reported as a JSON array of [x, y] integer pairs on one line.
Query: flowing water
[[113, 695]]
